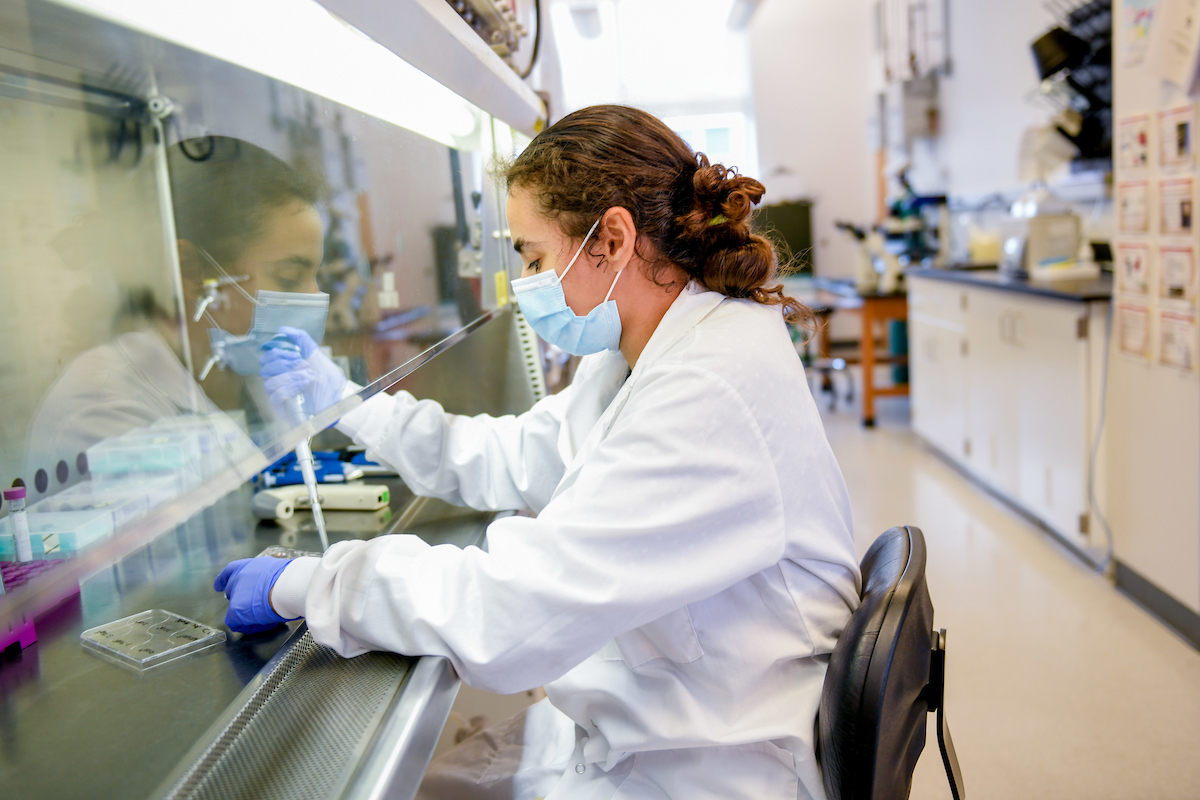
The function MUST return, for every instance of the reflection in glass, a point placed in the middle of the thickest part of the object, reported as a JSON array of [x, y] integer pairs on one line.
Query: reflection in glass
[[250, 240], [143, 265]]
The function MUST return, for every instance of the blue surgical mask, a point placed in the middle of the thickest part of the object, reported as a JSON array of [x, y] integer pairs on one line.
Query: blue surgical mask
[[545, 308], [272, 310]]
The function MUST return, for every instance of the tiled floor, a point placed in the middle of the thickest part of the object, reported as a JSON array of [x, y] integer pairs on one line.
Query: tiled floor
[[1058, 685]]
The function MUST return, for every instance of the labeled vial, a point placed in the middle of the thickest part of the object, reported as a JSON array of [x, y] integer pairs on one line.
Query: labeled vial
[[19, 522]]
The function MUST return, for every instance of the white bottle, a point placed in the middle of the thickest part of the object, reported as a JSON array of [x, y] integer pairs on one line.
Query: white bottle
[[19, 522]]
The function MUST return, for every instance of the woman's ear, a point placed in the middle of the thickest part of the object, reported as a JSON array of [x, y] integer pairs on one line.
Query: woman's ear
[[618, 237]]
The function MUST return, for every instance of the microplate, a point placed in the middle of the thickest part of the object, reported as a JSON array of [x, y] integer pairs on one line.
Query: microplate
[[279, 551], [149, 639]]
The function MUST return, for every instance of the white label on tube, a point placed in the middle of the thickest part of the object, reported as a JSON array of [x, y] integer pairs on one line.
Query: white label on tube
[[20, 524]]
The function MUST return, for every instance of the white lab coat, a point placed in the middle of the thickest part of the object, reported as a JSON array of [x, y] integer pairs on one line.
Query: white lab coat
[[678, 594]]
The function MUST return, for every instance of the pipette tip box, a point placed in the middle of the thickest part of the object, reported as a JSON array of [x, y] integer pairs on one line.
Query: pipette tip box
[[59, 534], [150, 639]]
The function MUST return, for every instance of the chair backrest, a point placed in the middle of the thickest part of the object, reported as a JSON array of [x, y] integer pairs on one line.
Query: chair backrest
[[872, 718]]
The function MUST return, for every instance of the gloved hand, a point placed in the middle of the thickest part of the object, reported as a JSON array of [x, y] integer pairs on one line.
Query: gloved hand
[[247, 584], [308, 373]]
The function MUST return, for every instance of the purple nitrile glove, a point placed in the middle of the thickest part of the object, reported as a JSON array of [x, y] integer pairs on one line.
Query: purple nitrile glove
[[247, 584], [308, 373]]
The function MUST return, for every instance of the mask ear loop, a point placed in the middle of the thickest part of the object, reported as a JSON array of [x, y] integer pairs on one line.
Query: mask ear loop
[[575, 257], [610, 288]]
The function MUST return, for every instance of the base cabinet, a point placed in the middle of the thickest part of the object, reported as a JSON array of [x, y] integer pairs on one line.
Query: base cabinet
[[1001, 384]]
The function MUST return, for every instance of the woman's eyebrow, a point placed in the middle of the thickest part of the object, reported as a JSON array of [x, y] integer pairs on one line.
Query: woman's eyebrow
[[298, 260], [520, 244]]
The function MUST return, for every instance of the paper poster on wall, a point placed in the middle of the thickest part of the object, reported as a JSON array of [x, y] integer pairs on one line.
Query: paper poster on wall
[[1136, 24], [1133, 207], [1177, 206], [1133, 329], [1177, 340], [1176, 131], [1133, 268], [1133, 142], [1177, 272], [1175, 42]]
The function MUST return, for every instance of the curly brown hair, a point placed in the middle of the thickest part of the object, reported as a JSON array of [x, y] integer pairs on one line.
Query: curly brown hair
[[692, 214]]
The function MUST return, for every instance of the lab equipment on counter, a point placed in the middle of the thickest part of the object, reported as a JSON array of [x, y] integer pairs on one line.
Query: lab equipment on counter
[[282, 502], [18, 523], [866, 279], [328, 466], [352, 524], [150, 639], [873, 250], [1042, 239]]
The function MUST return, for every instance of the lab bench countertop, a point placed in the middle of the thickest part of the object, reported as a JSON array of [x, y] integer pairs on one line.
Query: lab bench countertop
[[73, 725], [1079, 290]]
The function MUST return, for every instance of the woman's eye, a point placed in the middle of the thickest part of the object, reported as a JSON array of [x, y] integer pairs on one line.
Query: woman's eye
[[536, 265], [290, 278]]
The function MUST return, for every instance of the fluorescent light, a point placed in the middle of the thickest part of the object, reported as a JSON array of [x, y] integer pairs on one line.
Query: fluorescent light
[[299, 42]]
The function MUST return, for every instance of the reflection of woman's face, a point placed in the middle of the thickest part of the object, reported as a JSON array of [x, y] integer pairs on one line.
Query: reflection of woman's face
[[283, 258]]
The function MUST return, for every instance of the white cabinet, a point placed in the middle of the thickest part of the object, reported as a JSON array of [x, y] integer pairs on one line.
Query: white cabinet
[[937, 354], [1052, 414], [993, 389], [1002, 383]]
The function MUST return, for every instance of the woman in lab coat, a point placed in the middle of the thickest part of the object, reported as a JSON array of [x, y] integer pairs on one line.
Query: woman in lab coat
[[691, 563]]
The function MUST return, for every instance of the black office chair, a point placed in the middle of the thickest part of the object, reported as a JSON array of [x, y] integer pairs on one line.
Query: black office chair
[[886, 674]]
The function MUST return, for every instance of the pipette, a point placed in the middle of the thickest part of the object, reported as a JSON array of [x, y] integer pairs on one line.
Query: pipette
[[304, 456]]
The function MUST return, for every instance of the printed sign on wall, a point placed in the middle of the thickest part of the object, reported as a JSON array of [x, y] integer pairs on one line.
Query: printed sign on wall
[[1177, 206], [1177, 339], [1177, 272], [1133, 329], [1133, 206], [1176, 131], [1133, 142], [1133, 267]]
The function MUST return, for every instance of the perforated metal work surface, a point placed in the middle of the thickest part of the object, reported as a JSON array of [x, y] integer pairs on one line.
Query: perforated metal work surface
[[303, 730]]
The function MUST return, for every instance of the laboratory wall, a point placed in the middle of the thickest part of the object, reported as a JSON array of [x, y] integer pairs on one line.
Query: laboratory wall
[[607, 49], [1152, 436], [990, 96], [817, 80], [697, 79], [811, 67]]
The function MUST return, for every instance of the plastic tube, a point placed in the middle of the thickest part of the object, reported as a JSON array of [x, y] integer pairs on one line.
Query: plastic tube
[[19, 522]]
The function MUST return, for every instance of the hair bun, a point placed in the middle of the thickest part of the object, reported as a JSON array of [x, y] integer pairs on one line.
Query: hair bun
[[721, 203]]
